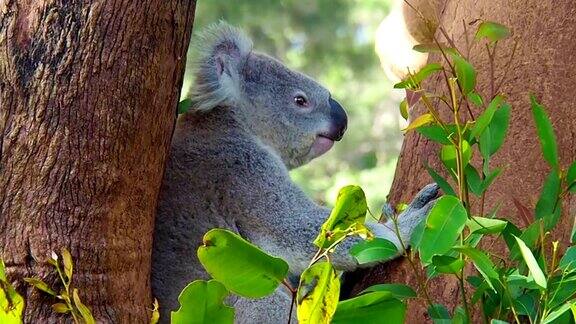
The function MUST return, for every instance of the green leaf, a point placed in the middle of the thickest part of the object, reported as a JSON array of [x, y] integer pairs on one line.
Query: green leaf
[[486, 117], [83, 309], [449, 153], [530, 236], [440, 181], [404, 109], [439, 314], [443, 226], [416, 236], [202, 302], [422, 120], [492, 31], [484, 225], [498, 128], [548, 201], [482, 262], [41, 285], [545, 133], [242, 267], [433, 48], [476, 99], [374, 250], [447, 264], [11, 303], [60, 308], [347, 216], [465, 74], [68, 265], [557, 313], [184, 105], [370, 308], [318, 294], [561, 289], [155, 316], [414, 80], [435, 133], [568, 261], [532, 264], [489, 179], [399, 291], [473, 180]]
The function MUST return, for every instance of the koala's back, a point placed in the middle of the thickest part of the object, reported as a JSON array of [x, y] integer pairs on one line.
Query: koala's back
[[209, 155]]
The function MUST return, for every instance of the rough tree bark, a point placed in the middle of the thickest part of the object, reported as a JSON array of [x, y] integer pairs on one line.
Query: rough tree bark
[[544, 64], [88, 91]]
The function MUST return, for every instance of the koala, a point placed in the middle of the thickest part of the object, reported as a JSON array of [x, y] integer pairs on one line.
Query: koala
[[251, 120]]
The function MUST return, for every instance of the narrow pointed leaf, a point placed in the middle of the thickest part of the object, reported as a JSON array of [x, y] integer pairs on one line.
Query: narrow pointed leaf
[[83, 309], [465, 74], [419, 122], [374, 250], [545, 133], [532, 264], [486, 117], [442, 183], [548, 201], [482, 262], [399, 291]]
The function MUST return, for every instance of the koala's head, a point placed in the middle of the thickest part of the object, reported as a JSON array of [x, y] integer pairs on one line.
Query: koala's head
[[286, 110]]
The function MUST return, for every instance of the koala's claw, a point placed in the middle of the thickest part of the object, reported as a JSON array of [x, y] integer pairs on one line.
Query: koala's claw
[[425, 195]]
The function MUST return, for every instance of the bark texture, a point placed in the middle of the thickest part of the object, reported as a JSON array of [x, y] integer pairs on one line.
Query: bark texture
[[544, 65], [88, 91]]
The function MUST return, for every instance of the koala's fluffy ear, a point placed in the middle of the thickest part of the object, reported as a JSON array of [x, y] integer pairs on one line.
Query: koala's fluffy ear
[[222, 51]]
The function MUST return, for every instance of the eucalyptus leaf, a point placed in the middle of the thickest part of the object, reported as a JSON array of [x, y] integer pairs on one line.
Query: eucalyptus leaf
[[447, 264], [420, 121], [414, 80], [436, 133], [242, 267], [482, 262], [483, 225], [465, 74], [374, 250], [404, 109], [492, 31], [548, 201], [532, 264], [11, 303], [449, 154], [202, 302], [443, 226], [347, 216], [399, 291], [486, 117], [318, 294], [545, 133], [440, 181], [373, 307]]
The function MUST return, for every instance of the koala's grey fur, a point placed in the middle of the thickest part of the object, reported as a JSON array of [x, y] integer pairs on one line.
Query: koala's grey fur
[[228, 168]]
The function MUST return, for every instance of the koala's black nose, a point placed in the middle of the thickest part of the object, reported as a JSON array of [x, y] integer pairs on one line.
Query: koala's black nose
[[338, 120]]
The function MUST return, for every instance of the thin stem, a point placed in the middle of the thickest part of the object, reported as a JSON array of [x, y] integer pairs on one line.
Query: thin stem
[[292, 306], [463, 292], [508, 65]]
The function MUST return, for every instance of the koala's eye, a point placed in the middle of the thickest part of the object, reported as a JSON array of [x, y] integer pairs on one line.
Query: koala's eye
[[301, 101]]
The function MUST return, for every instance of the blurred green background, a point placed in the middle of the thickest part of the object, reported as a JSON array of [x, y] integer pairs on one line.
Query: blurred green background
[[332, 41]]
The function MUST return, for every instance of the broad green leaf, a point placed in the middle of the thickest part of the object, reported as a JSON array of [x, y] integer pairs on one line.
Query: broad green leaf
[[532, 264], [483, 225], [416, 236], [449, 153], [440, 181], [374, 250], [399, 291], [557, 313], [489, 179], [571, 177], [242, 267], [482, 262], [11, 303], [422, 120], [530, 236], [568, 261], [548, 201], [473, 180], [475, 98], [465, 74], [372, 307], [414, 80], [202, 302], [318, 294], [545, 133], [439, 314], [492, 31], [404, 109], [460, 316], [184, 105], [486, 117], [447, 264], [443, 226], [83, 309], [435, 133], [347, 216], [68, 264], [561, 289], [498, 128]]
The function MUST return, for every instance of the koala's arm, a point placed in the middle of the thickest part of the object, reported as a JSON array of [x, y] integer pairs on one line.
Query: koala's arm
[[276, 215]]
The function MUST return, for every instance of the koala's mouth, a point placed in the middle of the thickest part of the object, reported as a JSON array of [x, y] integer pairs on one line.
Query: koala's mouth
[[322, 144]]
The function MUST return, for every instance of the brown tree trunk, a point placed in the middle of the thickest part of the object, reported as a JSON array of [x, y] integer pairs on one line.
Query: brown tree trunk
[[544, 65], [88, 95]]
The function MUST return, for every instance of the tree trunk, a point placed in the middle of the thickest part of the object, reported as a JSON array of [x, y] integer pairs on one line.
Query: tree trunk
[[544, 65], [88, 95]]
